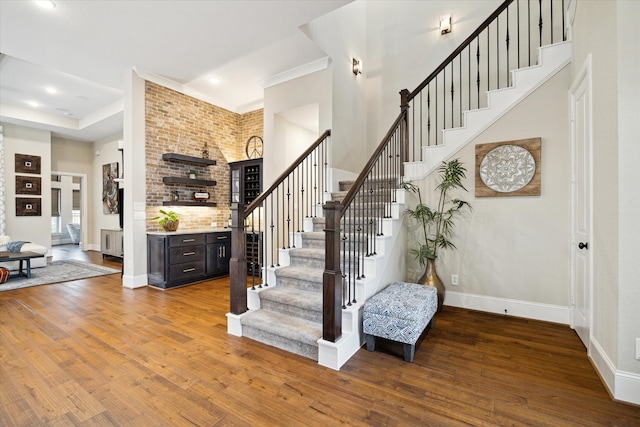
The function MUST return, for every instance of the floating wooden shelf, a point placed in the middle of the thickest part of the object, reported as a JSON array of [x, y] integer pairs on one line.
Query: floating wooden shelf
[[188, 181], [188, 159], [190, 203]]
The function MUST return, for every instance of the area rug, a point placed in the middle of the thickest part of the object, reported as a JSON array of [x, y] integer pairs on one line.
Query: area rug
[[56, 272]]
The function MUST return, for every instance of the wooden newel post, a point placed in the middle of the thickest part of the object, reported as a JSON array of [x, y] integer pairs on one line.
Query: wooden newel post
[[332, 276], [238, 262]]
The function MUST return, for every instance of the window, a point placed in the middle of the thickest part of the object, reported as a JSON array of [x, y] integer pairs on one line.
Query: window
[[55, 210], [75, 211]]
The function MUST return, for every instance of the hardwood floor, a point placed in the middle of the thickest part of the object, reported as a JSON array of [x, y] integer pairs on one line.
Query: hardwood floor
[[91, 352]]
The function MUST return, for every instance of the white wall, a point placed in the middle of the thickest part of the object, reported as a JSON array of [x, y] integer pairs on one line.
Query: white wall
[[34, 142], [342, 35], [517, 248], [404, 45], [75, 158], [104, 151], [314, 88]]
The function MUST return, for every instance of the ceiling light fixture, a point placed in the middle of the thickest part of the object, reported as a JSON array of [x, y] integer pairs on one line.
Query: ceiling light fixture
[[46, 4], [445, 24], [213, 80], [33, 103]]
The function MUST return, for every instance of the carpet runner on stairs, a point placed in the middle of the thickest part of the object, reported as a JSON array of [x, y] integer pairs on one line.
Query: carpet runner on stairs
[[290, 314]]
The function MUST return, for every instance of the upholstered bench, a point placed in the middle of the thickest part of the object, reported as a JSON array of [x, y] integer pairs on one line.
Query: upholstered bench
[[400, 312]]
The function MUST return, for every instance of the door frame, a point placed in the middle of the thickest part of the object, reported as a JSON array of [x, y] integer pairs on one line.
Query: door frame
[[84, 206], [584, 74]]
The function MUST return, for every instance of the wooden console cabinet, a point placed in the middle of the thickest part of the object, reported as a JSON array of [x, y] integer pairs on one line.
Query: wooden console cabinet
[[175, 259], [111, 242]]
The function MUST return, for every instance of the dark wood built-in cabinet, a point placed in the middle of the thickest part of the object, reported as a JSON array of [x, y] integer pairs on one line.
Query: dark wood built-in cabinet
[[181, 158], [180, 259], [246, 180]]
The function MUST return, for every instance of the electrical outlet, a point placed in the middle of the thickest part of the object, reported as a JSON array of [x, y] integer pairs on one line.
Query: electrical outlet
[[454, 280]]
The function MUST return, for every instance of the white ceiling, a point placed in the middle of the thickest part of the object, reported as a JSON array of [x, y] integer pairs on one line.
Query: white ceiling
[[84, 49]]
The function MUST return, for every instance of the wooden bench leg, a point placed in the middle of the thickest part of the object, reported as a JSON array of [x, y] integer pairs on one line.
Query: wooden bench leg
[[409, 352], [371, 342]]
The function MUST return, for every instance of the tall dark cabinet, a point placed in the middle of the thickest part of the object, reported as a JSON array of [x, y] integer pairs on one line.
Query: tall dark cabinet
[[246, 180]]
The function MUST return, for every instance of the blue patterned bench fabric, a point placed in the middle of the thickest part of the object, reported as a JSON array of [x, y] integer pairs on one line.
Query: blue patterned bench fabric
[[400, 312]]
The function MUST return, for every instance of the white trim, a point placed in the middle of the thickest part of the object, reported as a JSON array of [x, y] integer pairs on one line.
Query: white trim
[[133, 282], [510, 307], [623, 386], [234, 324], [84, 183], [294, 73]]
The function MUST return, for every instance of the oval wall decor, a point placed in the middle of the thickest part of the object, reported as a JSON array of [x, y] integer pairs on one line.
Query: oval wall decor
[[509, 168]]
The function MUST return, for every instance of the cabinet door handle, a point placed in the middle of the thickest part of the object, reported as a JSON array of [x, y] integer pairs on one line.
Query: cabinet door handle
[[187, 270], [188, 253], [219, 252], [188, 240], [222, 237]]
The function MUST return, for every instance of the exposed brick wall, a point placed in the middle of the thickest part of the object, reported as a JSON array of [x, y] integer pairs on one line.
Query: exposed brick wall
[[177, 123]]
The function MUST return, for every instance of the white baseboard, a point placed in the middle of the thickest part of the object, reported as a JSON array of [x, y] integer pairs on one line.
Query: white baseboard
[[133, 282], [623, 386], [510, 307]]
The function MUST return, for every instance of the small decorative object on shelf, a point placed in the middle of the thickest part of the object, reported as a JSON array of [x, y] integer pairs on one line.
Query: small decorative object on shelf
[[205, 151], [175, 196], [193, 174], [200, 196]]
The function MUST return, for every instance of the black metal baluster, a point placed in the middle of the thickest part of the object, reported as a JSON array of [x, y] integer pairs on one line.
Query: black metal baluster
[[444, 100], [564, 38], [518, 28], [488, 63], [288, 213], [497, 51], [469, 76], [478, 68], [551, 19], [428, 117], [507, 42], [540, 23], [437, 127], [460, 88], [452, 95], [272, 231], [529, 29]]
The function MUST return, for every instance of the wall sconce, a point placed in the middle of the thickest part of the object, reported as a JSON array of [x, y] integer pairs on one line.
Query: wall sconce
[[357, 66], [445, 24]]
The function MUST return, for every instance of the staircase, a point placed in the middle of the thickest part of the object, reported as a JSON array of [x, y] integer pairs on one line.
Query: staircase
[[287, 314], [304, 305]]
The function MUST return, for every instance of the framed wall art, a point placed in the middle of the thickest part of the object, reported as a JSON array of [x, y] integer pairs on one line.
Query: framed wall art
[[508, 168], [26, 163], [29, 185], [110, 188], [28, 206]]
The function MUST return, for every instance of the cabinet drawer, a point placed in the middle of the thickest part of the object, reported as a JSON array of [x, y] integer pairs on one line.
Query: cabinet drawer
[[186, 239], [219, 237], [186, 270], [192, 253]]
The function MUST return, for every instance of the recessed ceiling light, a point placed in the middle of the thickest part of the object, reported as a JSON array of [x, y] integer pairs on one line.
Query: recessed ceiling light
[[51, 90], [33, 103], [46, 4], [213, 80]]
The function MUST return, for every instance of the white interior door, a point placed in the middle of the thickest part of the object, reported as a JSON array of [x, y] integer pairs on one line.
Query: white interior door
[[581, 248]]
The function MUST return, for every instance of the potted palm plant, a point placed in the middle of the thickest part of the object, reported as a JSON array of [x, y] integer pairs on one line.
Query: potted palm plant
[[169, 220], [437, 223]]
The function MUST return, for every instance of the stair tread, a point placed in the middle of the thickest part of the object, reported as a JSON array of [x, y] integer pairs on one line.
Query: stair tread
[[302, 273], [315, 253], [310, 300], [283, 325]]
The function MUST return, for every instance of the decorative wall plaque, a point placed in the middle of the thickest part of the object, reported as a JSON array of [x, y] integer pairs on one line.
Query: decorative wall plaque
[[28, 206], [30, 185], [509, 168], [27, 164]]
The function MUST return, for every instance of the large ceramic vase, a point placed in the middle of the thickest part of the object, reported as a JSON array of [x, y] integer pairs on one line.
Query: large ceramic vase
[[171, 225], [430, 278]]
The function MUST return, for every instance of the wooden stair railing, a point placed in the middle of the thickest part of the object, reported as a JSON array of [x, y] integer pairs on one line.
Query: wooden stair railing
[[271, 218]]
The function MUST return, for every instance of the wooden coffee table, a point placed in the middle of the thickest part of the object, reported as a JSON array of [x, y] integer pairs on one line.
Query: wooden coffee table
[[22, 257]]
